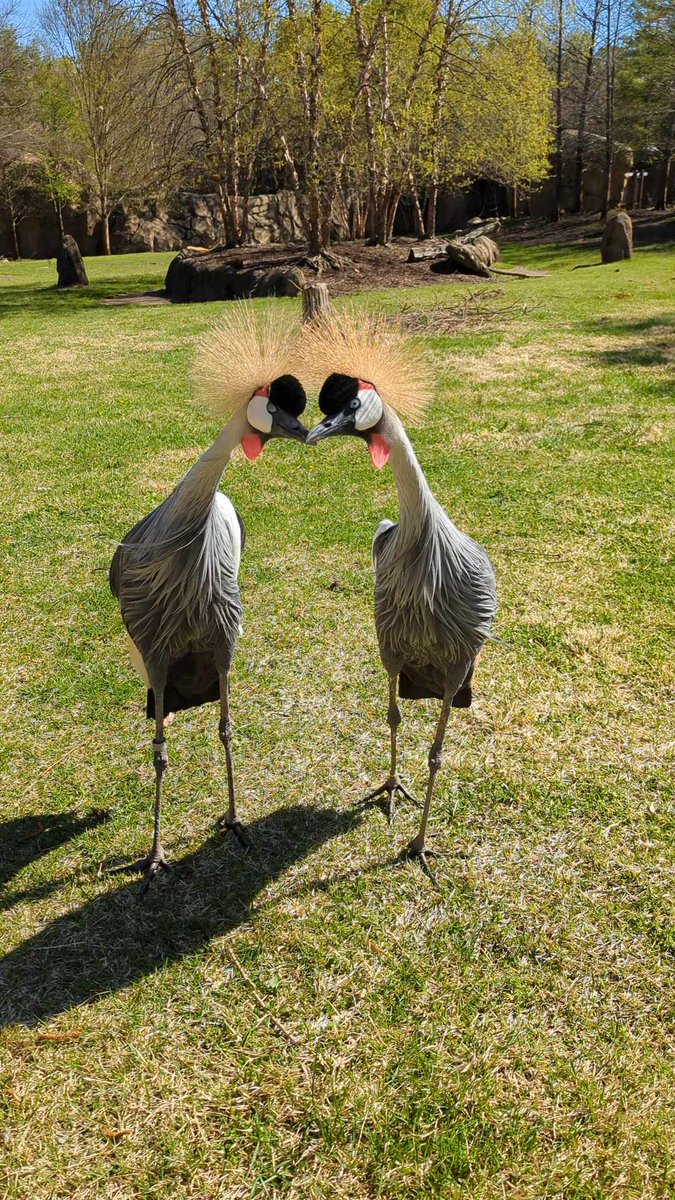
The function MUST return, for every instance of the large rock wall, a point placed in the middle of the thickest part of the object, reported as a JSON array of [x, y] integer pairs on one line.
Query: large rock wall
[[189, 219], [193, 219]]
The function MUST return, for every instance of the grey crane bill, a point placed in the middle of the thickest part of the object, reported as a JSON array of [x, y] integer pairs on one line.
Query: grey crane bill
[[344, 423], [338, 424], [286, 424], [274, 414]]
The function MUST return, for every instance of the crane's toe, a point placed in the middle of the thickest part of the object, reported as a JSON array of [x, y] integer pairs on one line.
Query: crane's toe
[[227, 825], [149, 867], [417, 850], [384, 797]]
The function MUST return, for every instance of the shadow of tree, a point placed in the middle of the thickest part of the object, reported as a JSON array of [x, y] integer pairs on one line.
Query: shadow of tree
[[113, 940], [25, 839], [648, 342], [45, 299]]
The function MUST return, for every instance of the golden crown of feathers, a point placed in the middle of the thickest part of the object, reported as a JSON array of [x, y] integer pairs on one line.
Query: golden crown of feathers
[[372, 348], [246, 350]]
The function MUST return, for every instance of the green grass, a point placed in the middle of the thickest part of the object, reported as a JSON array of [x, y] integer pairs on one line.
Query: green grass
[[314, 1021]]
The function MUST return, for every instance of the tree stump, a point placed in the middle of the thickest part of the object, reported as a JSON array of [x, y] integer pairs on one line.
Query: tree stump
[[315, 301], [617, 238], [69, 265]]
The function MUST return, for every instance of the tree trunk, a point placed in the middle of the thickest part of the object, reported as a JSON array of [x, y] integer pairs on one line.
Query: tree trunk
[[15, 237], [558, 116], [59, 216], [432, 208], [578, 202], [417, 210], [315, 237], [391, 211], [662, 199], [609, 103], [105, 233]]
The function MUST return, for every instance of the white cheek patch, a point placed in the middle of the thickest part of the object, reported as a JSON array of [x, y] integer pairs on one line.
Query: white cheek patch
[[371, 408], [258, 413]]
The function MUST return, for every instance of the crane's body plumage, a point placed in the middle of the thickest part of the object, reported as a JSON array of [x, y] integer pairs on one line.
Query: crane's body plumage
[[435, 595], [175, 577]]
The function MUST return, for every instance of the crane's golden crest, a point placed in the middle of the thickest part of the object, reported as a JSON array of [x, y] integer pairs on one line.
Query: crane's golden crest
[[243, 353], [371, 348]]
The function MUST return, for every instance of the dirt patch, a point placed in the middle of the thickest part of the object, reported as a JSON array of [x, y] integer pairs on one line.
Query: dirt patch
[[140, 299]]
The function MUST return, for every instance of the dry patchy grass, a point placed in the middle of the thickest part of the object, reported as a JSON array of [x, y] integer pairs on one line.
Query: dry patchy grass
[[312, 1020]]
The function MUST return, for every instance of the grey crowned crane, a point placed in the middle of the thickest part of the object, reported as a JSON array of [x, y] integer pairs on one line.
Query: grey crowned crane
[[175, 573], [435, 594]]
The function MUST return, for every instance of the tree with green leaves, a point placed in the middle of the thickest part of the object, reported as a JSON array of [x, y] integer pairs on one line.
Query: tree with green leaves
[[646, 88]]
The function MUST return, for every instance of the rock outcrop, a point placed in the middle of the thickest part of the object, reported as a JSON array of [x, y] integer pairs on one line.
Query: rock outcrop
[[69, 266], [617, 238]]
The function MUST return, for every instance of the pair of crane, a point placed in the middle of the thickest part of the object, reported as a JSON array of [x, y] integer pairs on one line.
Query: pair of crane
[[175, 574]]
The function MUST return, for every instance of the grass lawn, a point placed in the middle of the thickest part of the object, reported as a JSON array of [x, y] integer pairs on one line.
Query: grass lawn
[[313, 1020]]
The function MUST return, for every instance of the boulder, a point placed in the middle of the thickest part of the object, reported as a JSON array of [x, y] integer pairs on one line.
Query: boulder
[[69, 265], [617, 238]]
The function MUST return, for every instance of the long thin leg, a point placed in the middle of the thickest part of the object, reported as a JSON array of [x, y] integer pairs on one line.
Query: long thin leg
[[393, 783], [231, 822], [417, 847], [155, 861]]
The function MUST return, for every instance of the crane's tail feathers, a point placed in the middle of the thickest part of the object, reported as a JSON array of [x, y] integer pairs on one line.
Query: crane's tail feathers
[[370, 347], [247, 349]]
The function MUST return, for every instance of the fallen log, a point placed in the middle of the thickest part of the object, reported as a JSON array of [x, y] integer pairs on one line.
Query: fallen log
[[435, 248], [478, 229]]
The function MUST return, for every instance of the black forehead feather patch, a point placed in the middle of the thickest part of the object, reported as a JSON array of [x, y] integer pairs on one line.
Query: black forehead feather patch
[[288, 393], [337, 390]]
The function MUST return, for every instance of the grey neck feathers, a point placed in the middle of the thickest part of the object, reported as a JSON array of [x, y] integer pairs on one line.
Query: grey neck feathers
[[416, 500], [200, 484]]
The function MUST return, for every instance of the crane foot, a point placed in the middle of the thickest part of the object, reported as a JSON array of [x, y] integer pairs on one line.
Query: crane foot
[[422, 854], [150, 866], [388, 805], [226, 825]]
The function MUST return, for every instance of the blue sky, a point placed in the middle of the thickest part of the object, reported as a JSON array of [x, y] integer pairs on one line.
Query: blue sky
[[24, 16]]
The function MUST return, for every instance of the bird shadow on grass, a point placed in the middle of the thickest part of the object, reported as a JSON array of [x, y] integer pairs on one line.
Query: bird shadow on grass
[[25, 839], [113, 940]]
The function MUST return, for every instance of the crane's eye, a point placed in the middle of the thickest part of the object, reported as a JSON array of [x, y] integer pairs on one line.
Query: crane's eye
[[259, 413], [369, 409]]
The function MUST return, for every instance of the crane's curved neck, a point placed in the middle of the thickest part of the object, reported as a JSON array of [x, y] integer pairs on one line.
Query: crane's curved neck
[[416, 500], [201, 482]]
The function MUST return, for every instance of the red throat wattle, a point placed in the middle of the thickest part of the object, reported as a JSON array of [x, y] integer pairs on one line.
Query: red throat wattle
[[379, 450], [251, 444]]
